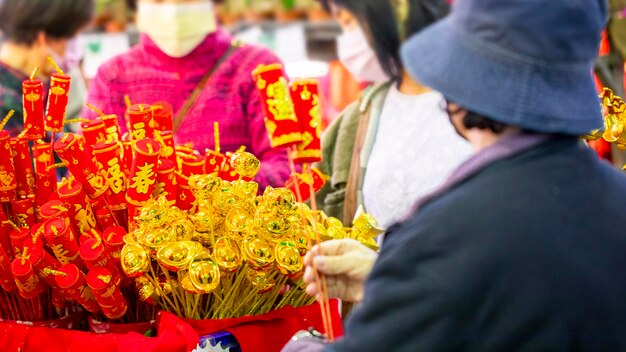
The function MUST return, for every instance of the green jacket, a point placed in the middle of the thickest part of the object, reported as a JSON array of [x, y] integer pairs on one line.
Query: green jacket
[[337, 147]]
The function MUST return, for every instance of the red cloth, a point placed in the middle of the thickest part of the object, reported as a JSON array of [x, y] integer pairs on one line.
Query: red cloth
[[174, 336], [271, 332]]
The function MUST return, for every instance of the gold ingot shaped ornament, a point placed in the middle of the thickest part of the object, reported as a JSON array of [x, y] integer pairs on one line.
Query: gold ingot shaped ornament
[[227, 255], [188, 286], [135, 260], [183, 230], [178, 256], [288, 259], [238, 220], [258, 253], [245, 164], [154, 214], [147, 291], [204, 276], [157, 238], [365, 225]]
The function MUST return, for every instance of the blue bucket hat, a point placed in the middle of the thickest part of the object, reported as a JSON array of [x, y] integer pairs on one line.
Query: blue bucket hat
[[526, 63]]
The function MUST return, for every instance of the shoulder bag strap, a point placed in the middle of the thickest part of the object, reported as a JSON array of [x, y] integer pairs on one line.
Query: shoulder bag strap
[[191, 100]]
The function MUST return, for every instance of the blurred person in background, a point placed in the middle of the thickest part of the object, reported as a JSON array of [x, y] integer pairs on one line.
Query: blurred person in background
[[522, 249], [34, 30], [394, 145], [182, 50]]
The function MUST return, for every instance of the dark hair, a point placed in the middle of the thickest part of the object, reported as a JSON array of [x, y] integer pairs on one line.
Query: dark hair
[[22, 20], [475, 120], [374, 17]]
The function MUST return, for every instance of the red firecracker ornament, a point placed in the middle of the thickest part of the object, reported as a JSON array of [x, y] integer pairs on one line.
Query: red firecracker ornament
[[32, 101], [143, 173], [57, 102], [281, 121], [107, 293], [8, 179]]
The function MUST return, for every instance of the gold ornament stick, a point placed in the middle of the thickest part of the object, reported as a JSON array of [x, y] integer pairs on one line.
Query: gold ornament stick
[[6, 119]]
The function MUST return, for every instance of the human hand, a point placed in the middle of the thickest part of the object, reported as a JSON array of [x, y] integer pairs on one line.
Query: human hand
[[345, 263]]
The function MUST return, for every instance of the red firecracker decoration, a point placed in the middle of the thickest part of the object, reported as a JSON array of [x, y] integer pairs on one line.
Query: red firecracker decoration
[[32, 101], [63, 242], [72, 281], [168, 149], [184, 195], [162, 113], [306, 100], [8, 179], [24, 174], [107, 293], [281, 121], [140, 118], [166, 182], [28, 284], [57, 102], [45, 175], [144, 171], [71, 149], [24, 211], [109, 161], [94, 132], [79, 208], [112, 127]]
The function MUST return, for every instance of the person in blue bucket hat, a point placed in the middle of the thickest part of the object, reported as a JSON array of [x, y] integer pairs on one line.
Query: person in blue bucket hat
[[523, 248]]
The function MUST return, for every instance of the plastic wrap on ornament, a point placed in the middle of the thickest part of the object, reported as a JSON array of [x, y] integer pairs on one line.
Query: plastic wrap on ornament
[[32, 101], [306, 100], [57, 102], [8, 178], [281, 121]]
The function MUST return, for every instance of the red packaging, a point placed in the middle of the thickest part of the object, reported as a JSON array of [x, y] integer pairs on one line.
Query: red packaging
[[46, 181], [63, 241], [281, 121], [23, 163], [193, 165], [109, 160], [57, 102], [79, 208], [8, 179], [162, 113], [112, 126], [168, 148], [73, 283], [28, 284], [71, 149], [305, 96], [185, 197], [143, 173], [166, 182], [94, 132], [105, 218], [24, 211], [5, 233], [303, 182], [107, 293], [32, 101], [140, 117]]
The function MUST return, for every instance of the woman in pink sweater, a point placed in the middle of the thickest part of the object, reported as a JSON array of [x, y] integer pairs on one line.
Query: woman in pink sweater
[[180, 43]]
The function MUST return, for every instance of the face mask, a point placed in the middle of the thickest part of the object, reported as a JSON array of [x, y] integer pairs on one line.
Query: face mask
[[358, 57], [177, 29]]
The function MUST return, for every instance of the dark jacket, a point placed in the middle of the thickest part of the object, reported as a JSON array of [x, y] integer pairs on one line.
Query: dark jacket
[[529, 254]]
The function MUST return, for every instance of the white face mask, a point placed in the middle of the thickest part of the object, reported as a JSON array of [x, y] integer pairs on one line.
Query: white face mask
[[358, 57], [177, 29]]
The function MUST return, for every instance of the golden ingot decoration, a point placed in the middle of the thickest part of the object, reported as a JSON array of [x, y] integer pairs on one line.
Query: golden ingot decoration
[[258, 252], [245, 164], [288, 259], [227, 255], [261, 280], [177, 256], [135, 260], [204, 276]]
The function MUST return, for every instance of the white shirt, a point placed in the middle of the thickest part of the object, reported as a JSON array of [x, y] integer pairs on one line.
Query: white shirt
[[415, 150]]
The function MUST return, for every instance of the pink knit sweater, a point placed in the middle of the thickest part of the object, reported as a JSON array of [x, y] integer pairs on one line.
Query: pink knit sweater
[[147, 75]]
